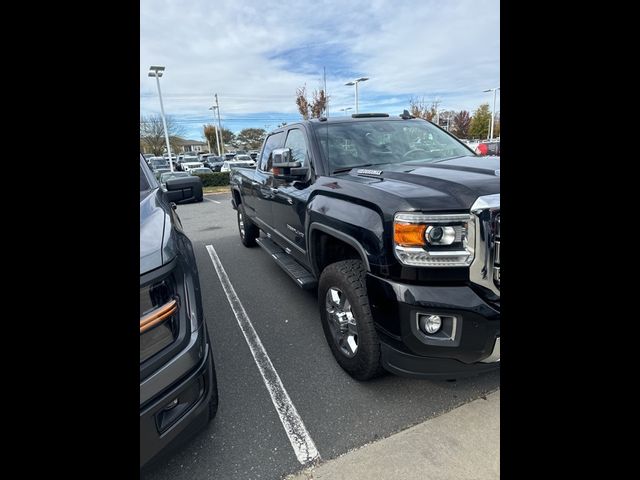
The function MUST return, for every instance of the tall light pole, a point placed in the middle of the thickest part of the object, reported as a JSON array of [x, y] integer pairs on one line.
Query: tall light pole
[[345, 110], [219, 124], [493, 110], [216, 127], [355, 82], [156, 71]]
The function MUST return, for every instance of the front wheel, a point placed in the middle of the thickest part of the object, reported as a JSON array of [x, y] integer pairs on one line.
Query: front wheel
[[347, 321], [248, 231]]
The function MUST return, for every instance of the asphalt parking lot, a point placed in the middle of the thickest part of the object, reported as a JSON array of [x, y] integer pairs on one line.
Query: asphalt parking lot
[[247, 439]]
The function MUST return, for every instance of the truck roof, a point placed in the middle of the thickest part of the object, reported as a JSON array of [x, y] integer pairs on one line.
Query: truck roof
[[356, 117]]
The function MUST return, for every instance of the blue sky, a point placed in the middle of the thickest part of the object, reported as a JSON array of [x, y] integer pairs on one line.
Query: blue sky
[[255, 53]]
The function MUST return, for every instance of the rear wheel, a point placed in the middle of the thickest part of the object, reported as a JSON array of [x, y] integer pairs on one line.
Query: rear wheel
[[347, 321], [248, 231]]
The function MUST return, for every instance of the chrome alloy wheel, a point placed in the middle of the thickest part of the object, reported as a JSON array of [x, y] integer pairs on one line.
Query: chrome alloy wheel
[[342, 322]]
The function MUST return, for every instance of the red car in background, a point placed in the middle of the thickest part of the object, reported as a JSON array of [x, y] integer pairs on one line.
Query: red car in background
[[488, 148]]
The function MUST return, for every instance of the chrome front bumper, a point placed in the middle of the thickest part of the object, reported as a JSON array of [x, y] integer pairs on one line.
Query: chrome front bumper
[[495, 355]]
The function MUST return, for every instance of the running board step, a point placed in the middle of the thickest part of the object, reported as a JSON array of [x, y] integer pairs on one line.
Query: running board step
[[296, 271]]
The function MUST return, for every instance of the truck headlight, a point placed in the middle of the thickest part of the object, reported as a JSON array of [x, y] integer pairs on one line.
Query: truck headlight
[[425, 240], [158, 316]]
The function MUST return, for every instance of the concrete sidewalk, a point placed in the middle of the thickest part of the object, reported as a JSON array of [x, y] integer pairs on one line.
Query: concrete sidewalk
[[463, 444]]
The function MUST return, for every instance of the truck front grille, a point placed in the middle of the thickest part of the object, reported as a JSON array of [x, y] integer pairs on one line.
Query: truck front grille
[[485, 268]]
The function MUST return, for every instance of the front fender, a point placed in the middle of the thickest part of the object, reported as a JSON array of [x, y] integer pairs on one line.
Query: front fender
[[357, 225]]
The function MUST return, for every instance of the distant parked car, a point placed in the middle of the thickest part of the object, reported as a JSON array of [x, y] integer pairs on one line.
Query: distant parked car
[[229, 155], [159, 171], [228, 165], [488, 148], [243, 158], [253, 154], [196, 171], [187, 166], [158, 162], [214, 163]]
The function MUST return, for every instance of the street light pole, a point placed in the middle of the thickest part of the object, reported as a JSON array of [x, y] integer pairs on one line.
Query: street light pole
[[355, 82], [213, 108], [156, 71], [345, 110], [219, 124], [493, 110]]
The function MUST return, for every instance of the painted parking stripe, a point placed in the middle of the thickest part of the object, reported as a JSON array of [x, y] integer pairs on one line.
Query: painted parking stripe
[[209, 200], [302, 443]]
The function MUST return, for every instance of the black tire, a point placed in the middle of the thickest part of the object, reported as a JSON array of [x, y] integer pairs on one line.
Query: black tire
[[348, 277], [251, 231]]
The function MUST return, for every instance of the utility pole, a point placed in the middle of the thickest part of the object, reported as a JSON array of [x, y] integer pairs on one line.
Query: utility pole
[[219, 124], [436, 103], [326, 104], [213, 108]]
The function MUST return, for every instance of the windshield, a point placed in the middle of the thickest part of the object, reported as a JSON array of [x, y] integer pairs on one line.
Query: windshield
[[354, 144]]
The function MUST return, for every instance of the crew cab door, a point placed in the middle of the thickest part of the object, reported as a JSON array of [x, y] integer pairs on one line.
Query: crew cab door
[[261, 183], [289, 199]]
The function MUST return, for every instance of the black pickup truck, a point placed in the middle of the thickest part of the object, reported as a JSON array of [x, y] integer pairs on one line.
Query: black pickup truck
[[397, 225]]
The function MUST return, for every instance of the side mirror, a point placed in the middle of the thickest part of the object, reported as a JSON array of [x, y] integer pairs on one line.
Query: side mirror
[[284, 167], [282, 158]]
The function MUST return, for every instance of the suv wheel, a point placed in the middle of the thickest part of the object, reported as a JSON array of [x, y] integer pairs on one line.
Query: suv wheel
[[248, 231], [347, 321]]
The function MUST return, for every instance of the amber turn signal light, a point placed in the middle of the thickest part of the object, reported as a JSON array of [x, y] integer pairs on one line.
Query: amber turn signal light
[[409, 234], [158, 316]]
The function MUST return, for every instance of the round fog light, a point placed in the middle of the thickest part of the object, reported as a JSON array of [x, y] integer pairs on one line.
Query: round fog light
[[432, 324]]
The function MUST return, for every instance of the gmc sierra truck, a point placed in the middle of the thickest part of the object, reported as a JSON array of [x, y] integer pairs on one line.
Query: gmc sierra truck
[[397, 224]]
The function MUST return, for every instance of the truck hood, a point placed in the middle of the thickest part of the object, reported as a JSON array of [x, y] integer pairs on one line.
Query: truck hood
[[446, 185], [153, 221]]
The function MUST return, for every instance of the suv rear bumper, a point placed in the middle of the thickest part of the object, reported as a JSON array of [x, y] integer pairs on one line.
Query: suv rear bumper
[[468, 342]]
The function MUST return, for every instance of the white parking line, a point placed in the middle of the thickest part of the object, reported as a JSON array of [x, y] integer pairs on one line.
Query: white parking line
[[209, 200], [303, 446]]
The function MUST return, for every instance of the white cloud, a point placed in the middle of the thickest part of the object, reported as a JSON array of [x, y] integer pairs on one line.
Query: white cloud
[[444, 48]]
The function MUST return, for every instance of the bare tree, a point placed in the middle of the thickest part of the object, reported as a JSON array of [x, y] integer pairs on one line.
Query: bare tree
[[419, 108], [319, 104], [152, 133], [313, 109], [461, 124], [302, 102]]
